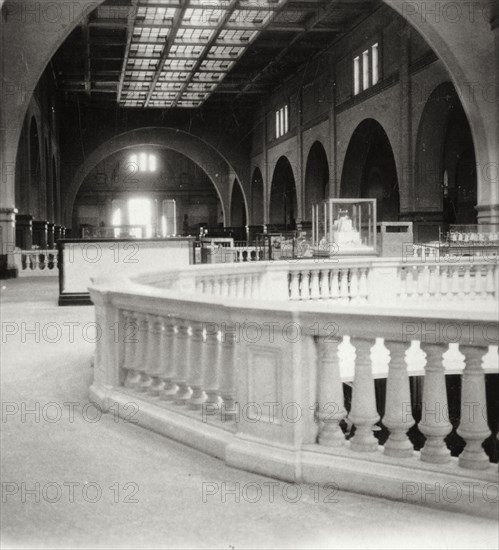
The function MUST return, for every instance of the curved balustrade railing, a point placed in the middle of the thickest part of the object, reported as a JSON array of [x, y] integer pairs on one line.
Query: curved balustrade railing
[[241, 362]]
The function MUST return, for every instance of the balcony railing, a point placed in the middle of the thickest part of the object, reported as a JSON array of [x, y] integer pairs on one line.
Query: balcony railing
[[36, 263], [272, 367]]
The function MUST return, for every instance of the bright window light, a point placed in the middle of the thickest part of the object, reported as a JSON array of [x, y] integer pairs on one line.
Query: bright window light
[[356, 75], [277, 125], [375, 63], [282, 121], [286, 123], [133, 162], [116, 221], [152, 163], [365, 70], [143, 162], [140, 213]]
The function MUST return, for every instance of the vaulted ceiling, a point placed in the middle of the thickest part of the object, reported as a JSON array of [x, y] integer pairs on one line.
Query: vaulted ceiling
[[182, 53]]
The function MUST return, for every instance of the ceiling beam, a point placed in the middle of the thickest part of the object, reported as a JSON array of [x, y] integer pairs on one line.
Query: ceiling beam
[[129, 35], [179, 14], [216, 33]]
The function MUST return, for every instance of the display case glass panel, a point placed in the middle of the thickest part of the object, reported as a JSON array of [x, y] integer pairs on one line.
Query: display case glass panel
[[344, 226]]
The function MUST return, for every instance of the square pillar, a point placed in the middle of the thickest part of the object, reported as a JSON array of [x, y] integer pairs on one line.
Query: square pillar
[[40, 233], [24, 231], [8, 268], [50, 235]]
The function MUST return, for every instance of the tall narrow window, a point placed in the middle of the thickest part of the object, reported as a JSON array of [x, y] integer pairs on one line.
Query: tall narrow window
[[152, 163], [277, 125], [375, 63], [365, 70], [282, 121], [134, 164], [286, 122], [117, 221], [356, 75], [140, 214], [143, 162]]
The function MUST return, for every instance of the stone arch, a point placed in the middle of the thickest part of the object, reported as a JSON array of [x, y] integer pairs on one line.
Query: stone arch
[[283, 204], [369, 170], [257, 198], [238, 207], [204, 155], [445, 161], [316, 177]]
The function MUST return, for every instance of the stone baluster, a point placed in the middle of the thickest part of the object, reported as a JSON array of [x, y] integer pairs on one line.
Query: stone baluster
[[482, 279], [445, 291], [398, 415], [432, 281], [363, 413], [363, 288], [231, 287], [473, 426], [227, 368], [490, 280], [305, 285], [169, 359], [354, 285], [419, 272], [334, 285], [464, 290], [196, 375], [130, 330], [211, 369], [434, 425], [344, 286], [315, 292], [135, 335], [455, 283], [155, 358], [224, 286], [409, 283], [402, 277], [182, 360], [425, 282], [331, 402], [147, 354], [294, 285], [240, 280]]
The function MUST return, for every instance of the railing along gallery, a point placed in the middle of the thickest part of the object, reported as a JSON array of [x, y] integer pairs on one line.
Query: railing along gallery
[[300, 347], [32, 263]]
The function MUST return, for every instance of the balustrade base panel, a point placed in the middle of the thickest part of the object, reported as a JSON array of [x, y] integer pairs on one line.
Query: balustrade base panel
[[374, 473]]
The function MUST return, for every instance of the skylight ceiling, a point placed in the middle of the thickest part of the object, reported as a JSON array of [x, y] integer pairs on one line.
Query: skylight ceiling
[[178, 52]]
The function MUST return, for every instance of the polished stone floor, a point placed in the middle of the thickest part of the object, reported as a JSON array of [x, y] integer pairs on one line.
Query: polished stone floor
[[100, 483]]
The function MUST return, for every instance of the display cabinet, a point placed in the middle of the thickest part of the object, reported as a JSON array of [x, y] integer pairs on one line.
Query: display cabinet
[[344, 226]]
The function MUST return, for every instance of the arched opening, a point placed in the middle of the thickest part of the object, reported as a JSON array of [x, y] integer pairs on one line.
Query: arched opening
[[283, 202], [237, 206], [446, 178], [369, 170], [316, 178], [257, 204], [170, 189], [35, 170]]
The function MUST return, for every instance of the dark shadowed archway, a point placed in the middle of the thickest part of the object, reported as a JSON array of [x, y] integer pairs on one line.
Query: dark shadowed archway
[[316, 178], [369, 170], [445, 173], [237, 206], [283, 202], [257, 203]]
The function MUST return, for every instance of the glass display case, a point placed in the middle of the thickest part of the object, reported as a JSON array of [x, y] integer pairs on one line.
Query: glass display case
[[483, 235], [344, 226], [284, 245]]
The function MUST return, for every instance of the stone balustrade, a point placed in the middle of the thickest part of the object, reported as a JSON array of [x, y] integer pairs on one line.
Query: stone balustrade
[[268, 379], [36, 263]]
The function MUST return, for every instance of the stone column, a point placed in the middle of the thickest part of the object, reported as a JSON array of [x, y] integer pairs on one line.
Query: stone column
[[40, 233], [24, 231], [50, 235], [8, 241]]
